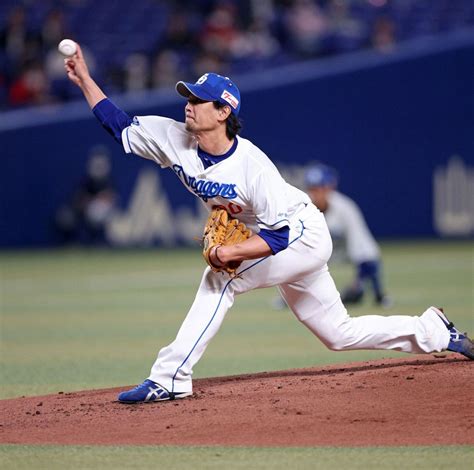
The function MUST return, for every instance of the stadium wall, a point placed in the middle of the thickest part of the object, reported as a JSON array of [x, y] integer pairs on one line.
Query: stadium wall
[[398, 128]]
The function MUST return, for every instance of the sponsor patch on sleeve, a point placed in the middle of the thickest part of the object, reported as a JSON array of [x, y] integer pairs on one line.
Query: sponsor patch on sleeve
[[230, 98]]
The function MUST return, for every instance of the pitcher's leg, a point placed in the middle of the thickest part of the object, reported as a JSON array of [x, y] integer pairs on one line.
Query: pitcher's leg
[[317, 304], [174, 365]]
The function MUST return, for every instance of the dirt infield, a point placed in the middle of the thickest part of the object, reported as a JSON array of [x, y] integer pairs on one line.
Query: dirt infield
[[417, 401]]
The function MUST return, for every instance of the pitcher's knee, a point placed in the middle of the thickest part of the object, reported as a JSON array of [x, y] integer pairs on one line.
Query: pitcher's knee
[[336, 337], [335, 344]]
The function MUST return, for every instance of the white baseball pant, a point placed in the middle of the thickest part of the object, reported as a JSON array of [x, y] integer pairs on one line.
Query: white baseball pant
[[302, 275]]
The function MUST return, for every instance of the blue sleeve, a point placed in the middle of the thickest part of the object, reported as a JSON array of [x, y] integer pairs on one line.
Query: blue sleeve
[[113, 119], [277, 239]]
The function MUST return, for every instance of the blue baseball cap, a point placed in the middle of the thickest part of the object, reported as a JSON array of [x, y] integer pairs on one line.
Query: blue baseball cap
[[321, 175], [213, 87]]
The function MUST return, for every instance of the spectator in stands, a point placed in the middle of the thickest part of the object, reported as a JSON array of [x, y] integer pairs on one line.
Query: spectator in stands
[[137, 72], [307, 26], [18, 42], [166, 69], [53, 29], [31, 87], [3, 90], [347, 31], [179, 34], [208, 61], [256, 42], [383, 35], [220, 31]]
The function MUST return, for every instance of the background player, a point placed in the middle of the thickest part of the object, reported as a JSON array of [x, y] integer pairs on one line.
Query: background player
[[346, 223], [289, 249]]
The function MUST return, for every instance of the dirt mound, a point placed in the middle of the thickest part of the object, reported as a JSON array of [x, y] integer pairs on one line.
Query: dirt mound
[[416, 401]]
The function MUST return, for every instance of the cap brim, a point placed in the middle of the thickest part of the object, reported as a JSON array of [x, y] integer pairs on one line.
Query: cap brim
[[185, 89]]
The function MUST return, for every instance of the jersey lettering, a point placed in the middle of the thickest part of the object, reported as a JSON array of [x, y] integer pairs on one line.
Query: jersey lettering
[[206, 189]]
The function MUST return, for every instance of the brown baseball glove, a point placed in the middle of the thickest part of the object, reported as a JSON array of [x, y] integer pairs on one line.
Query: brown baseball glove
[[222, 230]]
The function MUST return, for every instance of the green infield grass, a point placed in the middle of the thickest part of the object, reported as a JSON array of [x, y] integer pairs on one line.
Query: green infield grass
[[238, 458]]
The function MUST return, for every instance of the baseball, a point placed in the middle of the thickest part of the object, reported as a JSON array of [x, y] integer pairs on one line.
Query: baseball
[[67, 47]]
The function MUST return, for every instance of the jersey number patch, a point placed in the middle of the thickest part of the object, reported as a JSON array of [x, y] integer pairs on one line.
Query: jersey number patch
[[232, 208]]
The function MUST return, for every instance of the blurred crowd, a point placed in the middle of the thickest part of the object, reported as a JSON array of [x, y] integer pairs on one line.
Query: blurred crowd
[[150, 44]]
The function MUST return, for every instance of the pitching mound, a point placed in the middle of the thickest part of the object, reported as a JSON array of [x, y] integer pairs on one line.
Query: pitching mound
[[416, 401]]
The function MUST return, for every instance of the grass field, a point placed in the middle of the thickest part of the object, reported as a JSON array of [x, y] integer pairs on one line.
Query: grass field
[[83, 319], [249, 458]]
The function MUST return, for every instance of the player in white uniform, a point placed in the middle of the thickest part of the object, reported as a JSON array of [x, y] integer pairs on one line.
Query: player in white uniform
[[289, 249], [346, 223]]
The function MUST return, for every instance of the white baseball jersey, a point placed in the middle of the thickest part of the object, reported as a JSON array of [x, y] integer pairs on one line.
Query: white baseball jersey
[[345, 220], [247, 184], [250, 187]]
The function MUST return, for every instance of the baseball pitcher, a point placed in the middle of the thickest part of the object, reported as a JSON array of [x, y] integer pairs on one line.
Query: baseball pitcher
[[283, 241]]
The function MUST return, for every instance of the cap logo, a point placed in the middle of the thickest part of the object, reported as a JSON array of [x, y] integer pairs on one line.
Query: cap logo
[[202, 79], [230, 98]]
